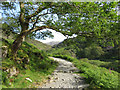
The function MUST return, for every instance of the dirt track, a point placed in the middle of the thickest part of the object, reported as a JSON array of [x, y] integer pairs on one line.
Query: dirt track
[[63, 76]]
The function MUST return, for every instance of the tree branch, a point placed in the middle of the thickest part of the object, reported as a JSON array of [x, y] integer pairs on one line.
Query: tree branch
[[38, 18], [41, 28], [36, 12], [22, 12], [38, 28]]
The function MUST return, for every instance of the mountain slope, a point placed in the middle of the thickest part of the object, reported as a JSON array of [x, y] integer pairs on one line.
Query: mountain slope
[[52, 43], [38, 44]]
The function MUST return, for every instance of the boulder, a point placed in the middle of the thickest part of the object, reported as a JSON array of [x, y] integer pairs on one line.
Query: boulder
[[28, 79], [4, 51], [13, 71]]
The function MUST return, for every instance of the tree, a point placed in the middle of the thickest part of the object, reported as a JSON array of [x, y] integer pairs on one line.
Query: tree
[[68, 18], [31, 14], [97, 22]]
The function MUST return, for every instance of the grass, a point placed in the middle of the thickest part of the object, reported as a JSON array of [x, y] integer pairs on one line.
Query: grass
[[37, 69], [96, 76], [37, 77], [66, 57], [99, 77], [112, 64], [0, 43], [38, 44]]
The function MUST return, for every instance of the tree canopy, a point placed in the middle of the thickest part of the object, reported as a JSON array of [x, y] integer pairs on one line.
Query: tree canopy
[[94, 20]]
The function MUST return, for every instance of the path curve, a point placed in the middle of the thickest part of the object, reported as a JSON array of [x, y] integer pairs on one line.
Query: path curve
[[63, 76]]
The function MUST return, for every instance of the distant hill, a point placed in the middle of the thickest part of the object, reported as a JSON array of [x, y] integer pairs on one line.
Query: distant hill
[[52, 43], [63, 48]]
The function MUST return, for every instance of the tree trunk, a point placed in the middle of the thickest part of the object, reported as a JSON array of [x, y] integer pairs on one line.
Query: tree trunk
[[17, 43], [24, 28]]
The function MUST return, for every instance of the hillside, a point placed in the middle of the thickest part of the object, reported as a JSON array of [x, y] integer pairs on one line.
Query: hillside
[[83, 48], [52, 43], [38, 44], [30, 68], [66, 47]]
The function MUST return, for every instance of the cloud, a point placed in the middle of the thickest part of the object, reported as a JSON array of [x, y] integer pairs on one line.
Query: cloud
[[57, 37]]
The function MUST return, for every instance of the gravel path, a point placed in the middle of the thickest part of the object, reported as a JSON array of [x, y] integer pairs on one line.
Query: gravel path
[[63, 76]]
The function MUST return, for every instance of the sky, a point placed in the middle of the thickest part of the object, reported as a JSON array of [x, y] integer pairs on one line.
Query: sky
[[0, 15], [57, 37]]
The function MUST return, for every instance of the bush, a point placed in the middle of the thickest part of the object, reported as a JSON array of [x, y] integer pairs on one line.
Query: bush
[[99, 77], [62, 51], [113, 53], [5, 79], [91, 52]]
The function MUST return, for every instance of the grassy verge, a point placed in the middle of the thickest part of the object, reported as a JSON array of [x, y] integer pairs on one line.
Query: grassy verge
[[37, 78], [111, 65], [96, 76], [30, 63]]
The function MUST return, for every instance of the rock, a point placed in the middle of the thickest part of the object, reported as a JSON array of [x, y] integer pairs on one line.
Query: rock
[[83, 86], [12, 71], [56, 78], [64, 71], [10, 84], [29, 79], [4, 51], [49, 77]]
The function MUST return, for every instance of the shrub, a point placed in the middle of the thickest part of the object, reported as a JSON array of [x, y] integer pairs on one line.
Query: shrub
[[99, 77], [5, 79], [91, 52]]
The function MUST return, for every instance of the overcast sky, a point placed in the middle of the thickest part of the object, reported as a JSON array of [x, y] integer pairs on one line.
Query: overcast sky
[[57, 37]]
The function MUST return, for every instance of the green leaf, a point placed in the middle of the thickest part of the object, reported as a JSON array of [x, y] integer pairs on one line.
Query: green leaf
[[31, 3]]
